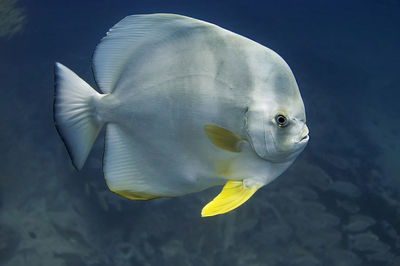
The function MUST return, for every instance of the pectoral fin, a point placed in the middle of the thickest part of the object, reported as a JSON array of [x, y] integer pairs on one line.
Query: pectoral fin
[[234, 194], [223, 138]]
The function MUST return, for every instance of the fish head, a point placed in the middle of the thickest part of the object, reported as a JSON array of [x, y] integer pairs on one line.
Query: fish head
[[276, 121]]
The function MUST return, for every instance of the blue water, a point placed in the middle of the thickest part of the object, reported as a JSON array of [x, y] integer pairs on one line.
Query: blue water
[[339, 204]]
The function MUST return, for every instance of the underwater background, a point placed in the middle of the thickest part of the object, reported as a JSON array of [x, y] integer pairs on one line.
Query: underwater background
[[338, 205]]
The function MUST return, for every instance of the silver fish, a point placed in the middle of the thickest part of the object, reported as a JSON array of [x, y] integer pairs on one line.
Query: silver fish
[[187, 105]]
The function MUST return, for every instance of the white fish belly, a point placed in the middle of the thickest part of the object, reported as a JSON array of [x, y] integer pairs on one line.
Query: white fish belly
[[168, 129]]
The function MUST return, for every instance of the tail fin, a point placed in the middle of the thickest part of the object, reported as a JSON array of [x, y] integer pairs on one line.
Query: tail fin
[[74, 114]]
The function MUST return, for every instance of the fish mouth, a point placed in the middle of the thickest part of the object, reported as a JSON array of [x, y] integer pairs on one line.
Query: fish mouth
[[304, 139]]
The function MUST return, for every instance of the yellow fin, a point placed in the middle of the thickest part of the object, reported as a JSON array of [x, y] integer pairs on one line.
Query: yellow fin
[[223, 138], [232, 196], [135, 195]]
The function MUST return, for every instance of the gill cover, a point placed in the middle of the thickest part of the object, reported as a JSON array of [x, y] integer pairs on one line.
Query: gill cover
[[255, 130]]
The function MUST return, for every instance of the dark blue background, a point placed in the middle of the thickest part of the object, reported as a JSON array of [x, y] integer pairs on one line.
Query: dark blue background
[[345, 57]]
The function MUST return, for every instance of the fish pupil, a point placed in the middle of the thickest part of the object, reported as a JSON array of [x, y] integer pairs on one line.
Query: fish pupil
[[281, 120]]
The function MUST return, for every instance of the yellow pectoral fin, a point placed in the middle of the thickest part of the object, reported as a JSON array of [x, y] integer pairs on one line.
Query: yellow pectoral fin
[[232, 196], [223, 138]]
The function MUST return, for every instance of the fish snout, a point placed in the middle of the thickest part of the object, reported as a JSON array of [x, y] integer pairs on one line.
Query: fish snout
[[304, 135]]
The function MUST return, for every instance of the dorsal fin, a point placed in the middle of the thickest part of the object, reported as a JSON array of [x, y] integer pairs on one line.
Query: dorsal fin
[[124, 39]]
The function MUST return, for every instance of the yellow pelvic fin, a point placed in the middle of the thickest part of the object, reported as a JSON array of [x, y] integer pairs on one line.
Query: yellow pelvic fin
[[223, 138], [135, 195], [232, 196]]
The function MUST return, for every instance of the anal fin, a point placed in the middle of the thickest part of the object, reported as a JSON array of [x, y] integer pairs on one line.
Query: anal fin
[[126, 170], [135, 195], [233, 194]]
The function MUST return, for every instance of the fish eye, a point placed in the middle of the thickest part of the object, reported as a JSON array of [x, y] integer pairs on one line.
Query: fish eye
[[281, 120]]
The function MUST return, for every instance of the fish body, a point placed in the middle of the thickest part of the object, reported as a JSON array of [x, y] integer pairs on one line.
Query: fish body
[[359, 223], [187, 105]]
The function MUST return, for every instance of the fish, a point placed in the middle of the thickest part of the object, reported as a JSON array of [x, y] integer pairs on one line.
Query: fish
[[186, 105], [346, 188], [348, 206], [359, 223], [367, 242]]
